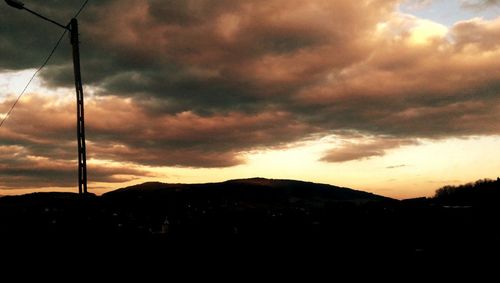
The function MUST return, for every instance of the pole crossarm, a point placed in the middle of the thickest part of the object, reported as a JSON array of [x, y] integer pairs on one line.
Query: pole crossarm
[[47, 19]]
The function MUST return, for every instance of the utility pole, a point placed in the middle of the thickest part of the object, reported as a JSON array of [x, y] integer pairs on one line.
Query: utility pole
[[80, 117], [72, 27]]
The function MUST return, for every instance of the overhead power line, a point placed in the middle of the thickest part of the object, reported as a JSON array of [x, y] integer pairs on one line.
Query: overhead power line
[[81, 9], [32, 77]]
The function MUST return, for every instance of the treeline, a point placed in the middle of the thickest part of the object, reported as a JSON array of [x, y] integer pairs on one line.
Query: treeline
[[479, 192]]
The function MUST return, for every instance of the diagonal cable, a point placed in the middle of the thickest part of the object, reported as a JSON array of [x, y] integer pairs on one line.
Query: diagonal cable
[[33, 77], [81, 9]]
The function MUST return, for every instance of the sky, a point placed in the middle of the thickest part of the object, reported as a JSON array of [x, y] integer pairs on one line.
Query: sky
[[394, 97]]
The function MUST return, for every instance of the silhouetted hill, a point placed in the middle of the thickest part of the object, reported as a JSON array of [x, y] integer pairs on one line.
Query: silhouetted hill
[[259, 190], [254, 208]]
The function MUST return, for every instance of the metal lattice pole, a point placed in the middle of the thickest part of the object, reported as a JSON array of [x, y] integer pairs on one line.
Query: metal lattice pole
[[80, 127]]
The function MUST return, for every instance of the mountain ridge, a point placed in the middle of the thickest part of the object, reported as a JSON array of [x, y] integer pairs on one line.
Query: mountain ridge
[[253, 188]]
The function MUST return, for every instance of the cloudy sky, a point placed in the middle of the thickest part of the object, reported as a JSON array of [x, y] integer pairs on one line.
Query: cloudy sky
[[393, 97]]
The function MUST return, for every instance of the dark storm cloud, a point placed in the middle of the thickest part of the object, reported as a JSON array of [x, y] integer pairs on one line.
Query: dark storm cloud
[[200, 82], [25, 39], [216, 55]]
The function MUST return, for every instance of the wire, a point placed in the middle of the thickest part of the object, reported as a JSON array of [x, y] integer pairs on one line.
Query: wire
[[41, 67], [81, 9], [32, 77]]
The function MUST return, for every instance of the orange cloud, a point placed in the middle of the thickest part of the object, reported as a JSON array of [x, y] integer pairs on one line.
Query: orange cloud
[[119, 129], [365, 148], [21, 169]]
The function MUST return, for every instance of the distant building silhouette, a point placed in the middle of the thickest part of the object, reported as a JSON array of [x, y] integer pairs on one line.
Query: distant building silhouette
[[165, 226]]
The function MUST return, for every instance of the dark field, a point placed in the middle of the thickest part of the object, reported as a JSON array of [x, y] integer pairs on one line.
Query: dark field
[[273, 221]]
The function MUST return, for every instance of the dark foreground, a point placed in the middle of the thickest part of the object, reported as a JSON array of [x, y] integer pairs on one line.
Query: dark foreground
[[255, 221]]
